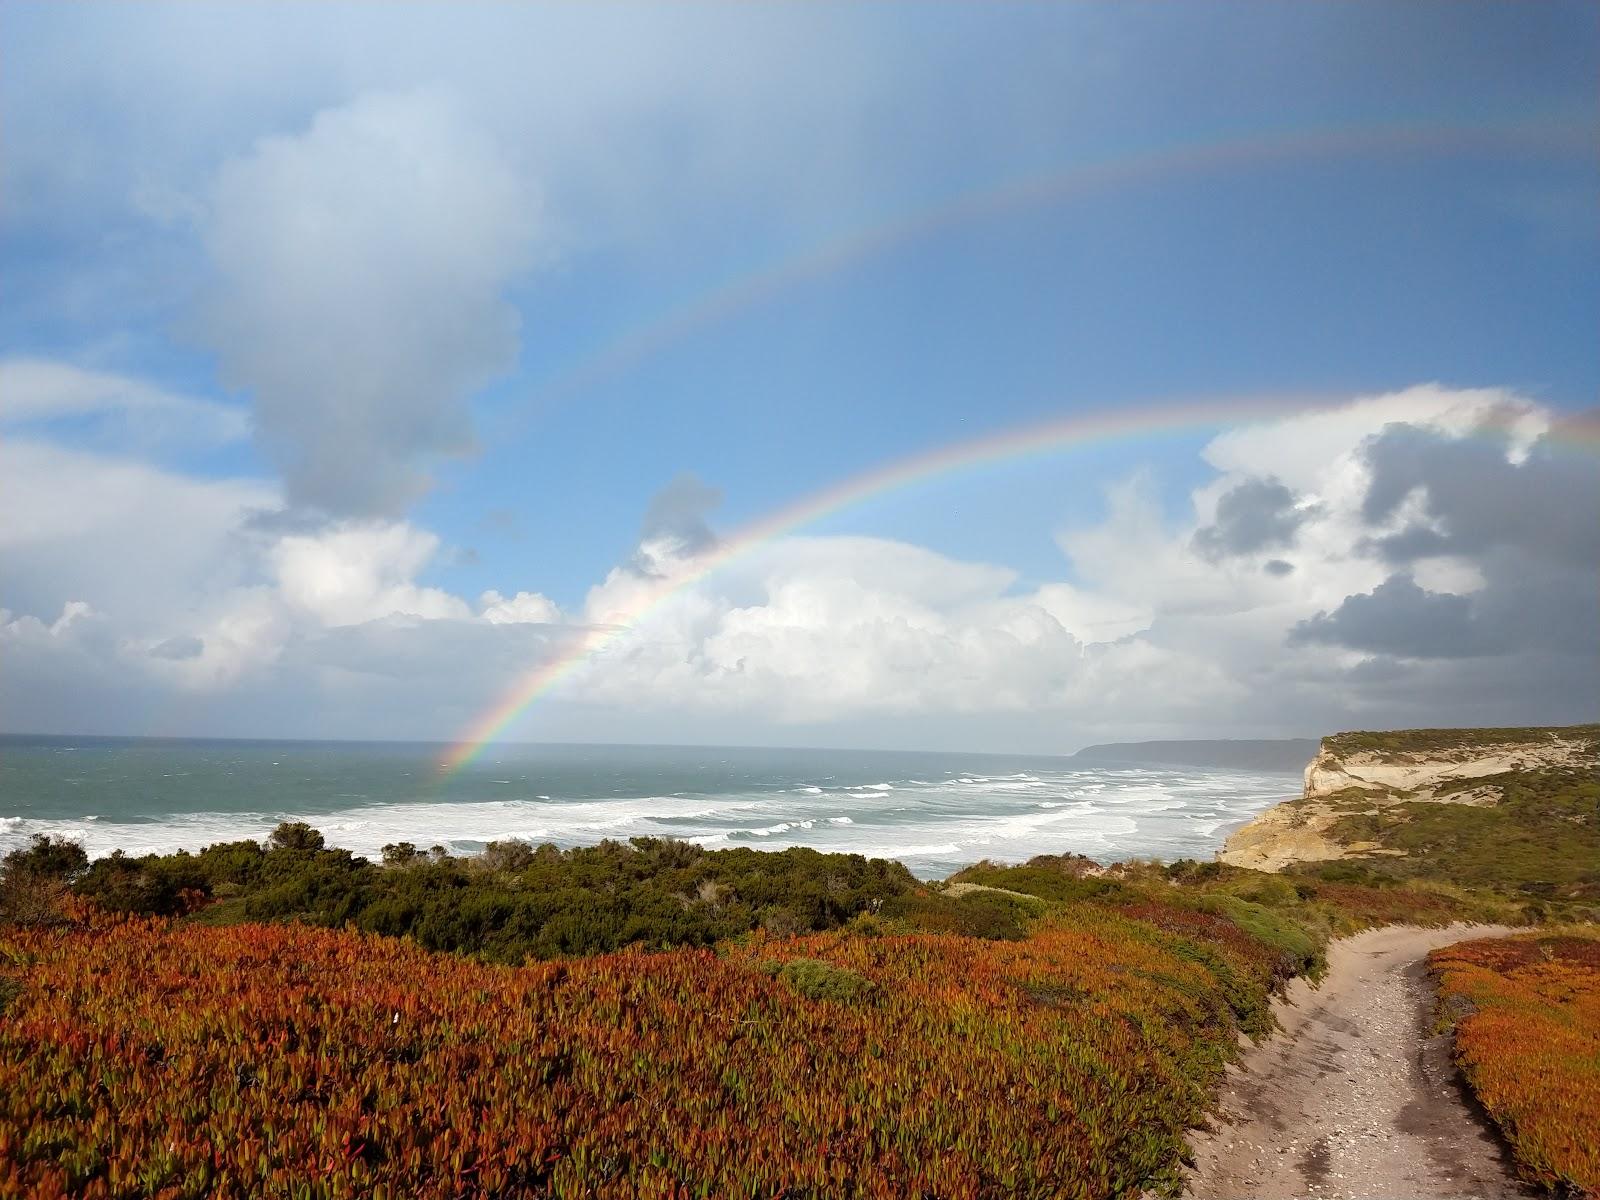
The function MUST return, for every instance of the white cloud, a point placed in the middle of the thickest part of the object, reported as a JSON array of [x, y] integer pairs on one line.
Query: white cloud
[[523, 608], [31, 628], [136, 541], [1313, 452], [844, 639], [360, 571], [359, 298], [130, 412]]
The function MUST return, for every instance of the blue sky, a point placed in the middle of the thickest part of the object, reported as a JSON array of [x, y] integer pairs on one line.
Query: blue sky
[[385, 237]]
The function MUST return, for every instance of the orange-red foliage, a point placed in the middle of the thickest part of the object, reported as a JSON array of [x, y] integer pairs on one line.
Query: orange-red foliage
[[142, 1059], [1528, 1040]]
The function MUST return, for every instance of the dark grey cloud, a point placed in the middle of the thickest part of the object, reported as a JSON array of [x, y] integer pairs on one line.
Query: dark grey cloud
[[1399, 618], [1278, 567], [1526, 605], [1531, 528], [1256, 515], [1477, 499]]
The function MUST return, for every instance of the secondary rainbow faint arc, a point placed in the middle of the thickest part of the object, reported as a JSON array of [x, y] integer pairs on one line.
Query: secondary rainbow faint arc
[[753, 288], [997, 447]]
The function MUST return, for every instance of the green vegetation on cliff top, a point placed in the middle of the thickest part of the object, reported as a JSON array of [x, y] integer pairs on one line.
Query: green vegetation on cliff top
[[1423, 741]]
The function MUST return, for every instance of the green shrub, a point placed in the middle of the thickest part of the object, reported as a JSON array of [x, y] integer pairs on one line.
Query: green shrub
[[47, 858], [819, 980], [514, 901]]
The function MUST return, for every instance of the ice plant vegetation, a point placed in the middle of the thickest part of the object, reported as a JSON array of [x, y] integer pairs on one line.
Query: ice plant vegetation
[[159, 1057], [1526, 1015]]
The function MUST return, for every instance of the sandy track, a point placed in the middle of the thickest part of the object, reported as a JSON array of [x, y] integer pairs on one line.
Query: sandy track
[[1354, 1099]]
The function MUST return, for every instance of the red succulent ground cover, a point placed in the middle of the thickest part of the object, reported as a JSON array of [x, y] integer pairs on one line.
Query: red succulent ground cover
[[1526, 1012], [148, 1058]]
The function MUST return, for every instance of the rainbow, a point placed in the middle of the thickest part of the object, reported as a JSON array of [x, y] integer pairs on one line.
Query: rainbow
[[1579, 431], [749, 291], [1079, 430]]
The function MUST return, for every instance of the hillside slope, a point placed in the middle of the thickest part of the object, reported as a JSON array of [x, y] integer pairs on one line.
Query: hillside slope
[[1509, 808]]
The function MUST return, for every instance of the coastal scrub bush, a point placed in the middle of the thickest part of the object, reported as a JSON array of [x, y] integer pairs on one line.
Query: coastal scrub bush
[[1299, 950], [45, 857], [513, 903], [1525, 1013], [1433, 741], [1541, 839], [1058, 877], [34, 879]]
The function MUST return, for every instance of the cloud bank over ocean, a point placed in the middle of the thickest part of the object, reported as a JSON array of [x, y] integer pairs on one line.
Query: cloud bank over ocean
[[1398, 561]]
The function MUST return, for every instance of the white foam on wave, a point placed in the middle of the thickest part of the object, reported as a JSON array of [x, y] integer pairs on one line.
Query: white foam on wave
[[942, 850], [935, 825]]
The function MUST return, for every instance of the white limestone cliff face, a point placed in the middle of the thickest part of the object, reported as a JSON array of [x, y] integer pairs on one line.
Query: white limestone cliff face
[[1330, 772]]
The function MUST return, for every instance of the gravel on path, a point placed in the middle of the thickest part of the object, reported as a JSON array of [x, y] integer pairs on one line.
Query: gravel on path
[[1355, 1099]]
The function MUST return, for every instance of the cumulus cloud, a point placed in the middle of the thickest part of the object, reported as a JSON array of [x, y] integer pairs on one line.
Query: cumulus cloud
[[359, 294], [179, 648], [1479, 492], [136, 541], [360, 571], [833, 625], [525, 608], [855, 640], [1507, 533], [1399, 618]]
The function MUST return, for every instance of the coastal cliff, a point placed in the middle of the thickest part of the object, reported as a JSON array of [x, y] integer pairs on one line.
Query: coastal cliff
[[1365, 783]]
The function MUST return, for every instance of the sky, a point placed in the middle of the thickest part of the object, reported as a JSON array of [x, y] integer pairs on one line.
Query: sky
[[420, 372]]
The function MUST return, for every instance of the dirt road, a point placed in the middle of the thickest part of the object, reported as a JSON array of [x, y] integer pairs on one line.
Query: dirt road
[[1354, 1099]]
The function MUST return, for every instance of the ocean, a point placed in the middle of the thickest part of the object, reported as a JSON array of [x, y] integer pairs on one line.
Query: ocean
[[935, 812]]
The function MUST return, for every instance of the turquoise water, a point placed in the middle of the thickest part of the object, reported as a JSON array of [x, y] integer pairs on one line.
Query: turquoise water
[[935, 812]]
